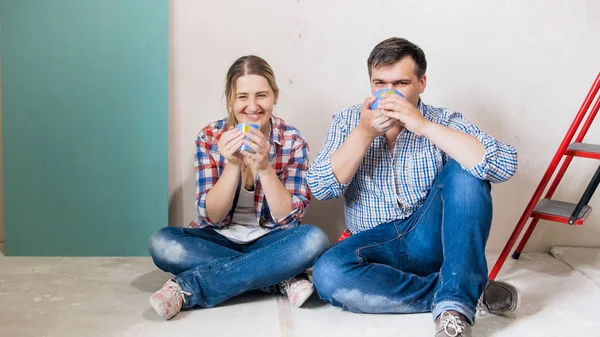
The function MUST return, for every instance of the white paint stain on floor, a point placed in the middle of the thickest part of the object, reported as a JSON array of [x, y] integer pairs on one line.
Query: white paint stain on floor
[[109, 297]]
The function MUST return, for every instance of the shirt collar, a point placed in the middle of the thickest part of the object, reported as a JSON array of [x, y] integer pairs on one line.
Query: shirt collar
[[276, 133], [421, 107]]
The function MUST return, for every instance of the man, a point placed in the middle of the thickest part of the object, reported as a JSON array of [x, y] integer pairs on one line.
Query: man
[[416, 183]]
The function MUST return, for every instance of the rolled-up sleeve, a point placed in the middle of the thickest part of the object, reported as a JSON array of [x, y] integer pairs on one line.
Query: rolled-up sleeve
[[321, 180], [205, 168], [293, 178], [500, 160]]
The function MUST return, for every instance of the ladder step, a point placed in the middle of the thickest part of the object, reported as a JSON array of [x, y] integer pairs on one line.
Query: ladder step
[[584, 150], [559, 211]]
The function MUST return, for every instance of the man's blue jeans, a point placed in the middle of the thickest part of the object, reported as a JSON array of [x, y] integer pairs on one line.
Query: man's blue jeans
[[431, 261], [214, 269]]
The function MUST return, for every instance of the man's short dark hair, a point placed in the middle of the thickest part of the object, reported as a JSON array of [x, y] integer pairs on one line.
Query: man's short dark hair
[[394, 49]]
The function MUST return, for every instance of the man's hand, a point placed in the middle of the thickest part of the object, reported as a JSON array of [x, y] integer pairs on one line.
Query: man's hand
[[374, 123], [464, 148], [398, 108]]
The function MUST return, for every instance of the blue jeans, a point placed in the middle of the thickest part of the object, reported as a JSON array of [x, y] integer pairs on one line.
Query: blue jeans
[[214, 269], [431, 261]]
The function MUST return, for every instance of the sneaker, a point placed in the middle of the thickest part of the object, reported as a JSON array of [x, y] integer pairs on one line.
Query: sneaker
[[167, 302], [452, 324], [298, 289], [500, 297]]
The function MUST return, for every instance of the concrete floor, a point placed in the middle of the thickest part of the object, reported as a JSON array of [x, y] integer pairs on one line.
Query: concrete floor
[[76, 297]]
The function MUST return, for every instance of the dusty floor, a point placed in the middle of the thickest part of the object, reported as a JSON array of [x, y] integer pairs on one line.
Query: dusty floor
[[66, 297]]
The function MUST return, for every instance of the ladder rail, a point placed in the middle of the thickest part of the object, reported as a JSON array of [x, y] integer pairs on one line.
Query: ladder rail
[[546, 178], [588, 122], [587, 195], [569, 158], [591, 188]]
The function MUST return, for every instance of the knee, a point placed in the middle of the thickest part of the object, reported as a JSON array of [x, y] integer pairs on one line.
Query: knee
[[314, 242], [335, 286], [338, 283], [459, 183], [327, 274], [163, 246]]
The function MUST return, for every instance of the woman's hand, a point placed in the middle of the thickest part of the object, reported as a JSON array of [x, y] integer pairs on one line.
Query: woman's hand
[[259, 160], [229, 146]]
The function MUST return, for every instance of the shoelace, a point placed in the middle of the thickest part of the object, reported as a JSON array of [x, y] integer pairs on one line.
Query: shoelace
[[481, 309], [287, 285], [453, 322], [179, 292]]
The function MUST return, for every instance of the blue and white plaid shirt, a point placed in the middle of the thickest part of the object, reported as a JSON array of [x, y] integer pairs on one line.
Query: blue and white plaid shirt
[[386, 188]]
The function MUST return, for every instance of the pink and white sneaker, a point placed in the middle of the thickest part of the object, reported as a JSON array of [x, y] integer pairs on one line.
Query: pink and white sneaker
[[298, 290], [167, 302]]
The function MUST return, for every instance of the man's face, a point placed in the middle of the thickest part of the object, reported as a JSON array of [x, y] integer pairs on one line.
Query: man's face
[[400, 76]]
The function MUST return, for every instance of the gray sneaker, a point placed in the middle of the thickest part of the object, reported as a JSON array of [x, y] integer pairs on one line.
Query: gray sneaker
[[500, 297], [452, 324]]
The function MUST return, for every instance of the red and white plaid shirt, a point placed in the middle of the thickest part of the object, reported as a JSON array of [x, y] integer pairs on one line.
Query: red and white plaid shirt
[[288, 154]]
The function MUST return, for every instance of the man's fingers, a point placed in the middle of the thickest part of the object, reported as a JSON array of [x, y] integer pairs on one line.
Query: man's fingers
[[394, 102], [390, 106], [367, 103], [392, 114], [380, 117], [385, 125], [394, 98]]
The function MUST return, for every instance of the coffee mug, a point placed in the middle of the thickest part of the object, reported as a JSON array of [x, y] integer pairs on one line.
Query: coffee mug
[[245, 128], [381, 94]]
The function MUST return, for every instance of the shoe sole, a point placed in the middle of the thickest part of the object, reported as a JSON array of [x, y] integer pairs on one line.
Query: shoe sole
[[516, 306], [305, 298], [156, 308]]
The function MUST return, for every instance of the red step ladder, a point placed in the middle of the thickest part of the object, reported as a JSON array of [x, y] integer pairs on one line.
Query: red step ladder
[[554, 210]]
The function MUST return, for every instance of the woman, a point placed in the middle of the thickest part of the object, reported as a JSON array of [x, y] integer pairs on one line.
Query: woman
[[250, 203]]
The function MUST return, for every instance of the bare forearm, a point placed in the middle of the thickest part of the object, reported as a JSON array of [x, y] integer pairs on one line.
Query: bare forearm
[[220, 198], [347, 158], [278, 197], [464, 148]]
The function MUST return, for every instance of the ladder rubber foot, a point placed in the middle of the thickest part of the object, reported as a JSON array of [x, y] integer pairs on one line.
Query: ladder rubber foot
[[516, 255]]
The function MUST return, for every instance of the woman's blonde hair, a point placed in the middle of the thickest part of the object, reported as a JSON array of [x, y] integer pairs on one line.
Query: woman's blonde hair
[[246, 65]]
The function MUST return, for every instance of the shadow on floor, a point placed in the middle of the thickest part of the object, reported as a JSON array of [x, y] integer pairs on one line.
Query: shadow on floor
[[151, 315], [251, 296], [490, 324], [314, 302], [151, 282]]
